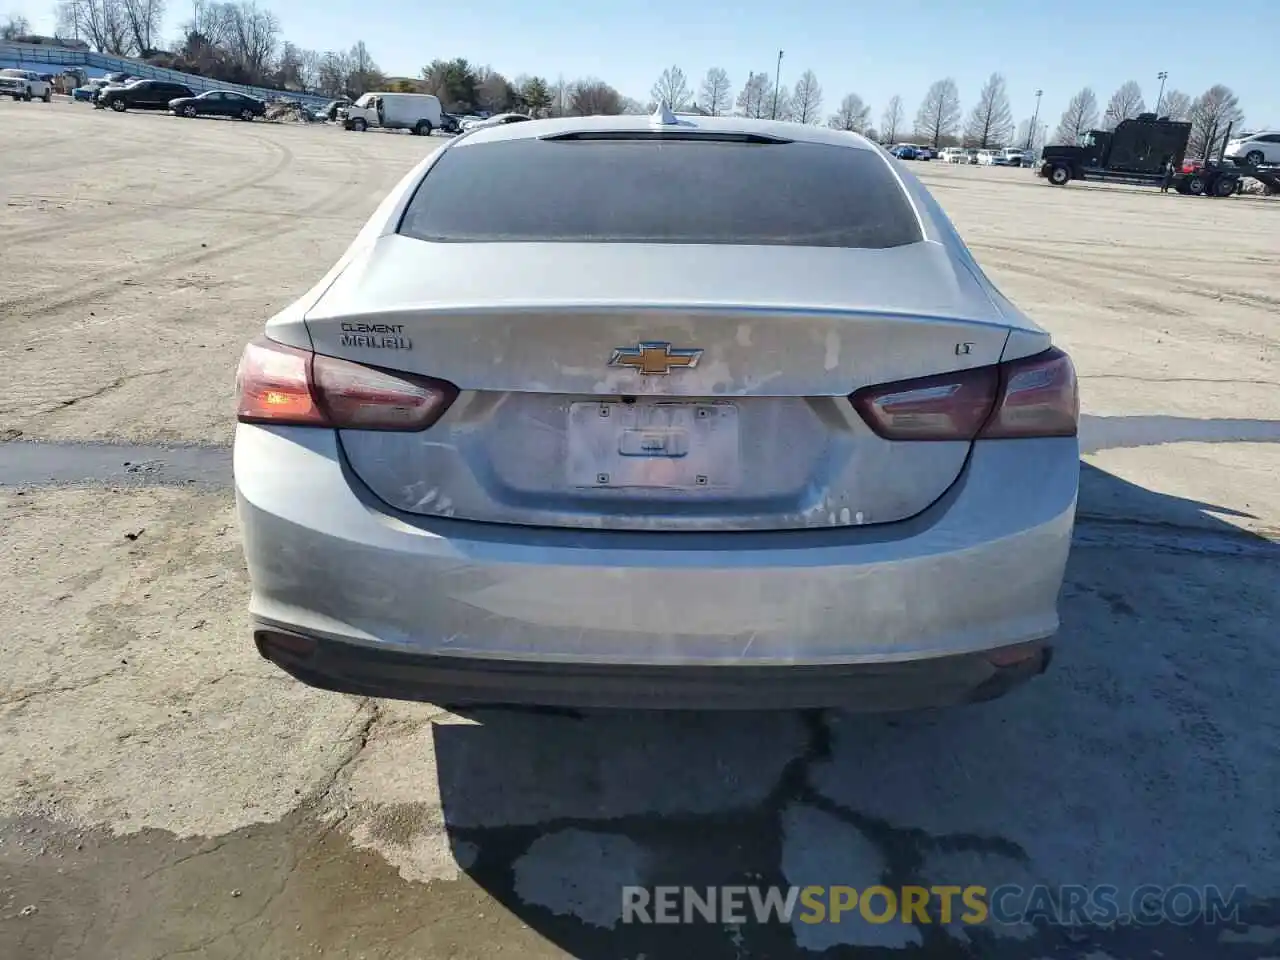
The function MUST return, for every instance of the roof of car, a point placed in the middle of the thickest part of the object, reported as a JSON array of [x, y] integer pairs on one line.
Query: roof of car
[[636, 123]]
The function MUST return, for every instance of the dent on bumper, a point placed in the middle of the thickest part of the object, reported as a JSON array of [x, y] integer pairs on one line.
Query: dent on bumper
[[979, 569]]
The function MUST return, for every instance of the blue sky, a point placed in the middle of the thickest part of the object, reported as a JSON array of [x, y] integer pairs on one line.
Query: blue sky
[[874, 50]]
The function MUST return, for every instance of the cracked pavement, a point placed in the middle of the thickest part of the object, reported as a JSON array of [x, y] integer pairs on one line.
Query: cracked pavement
[[164, 792]]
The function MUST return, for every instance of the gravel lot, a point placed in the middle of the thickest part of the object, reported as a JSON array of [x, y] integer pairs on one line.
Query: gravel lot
[[164, 792]]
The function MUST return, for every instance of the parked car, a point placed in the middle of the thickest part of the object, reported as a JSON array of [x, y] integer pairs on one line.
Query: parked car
[[498, 119], [25, 85], [987, 158], [970, 157], [219, 103], [142, 95], [1009, 157], [451, 492], [923, 153], [449, 123], [331, 110], [1256, 148], [950, 154], [416, 112], [903, 151]]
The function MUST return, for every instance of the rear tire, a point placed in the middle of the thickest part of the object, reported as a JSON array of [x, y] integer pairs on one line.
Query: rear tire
[[423, 129], [1059, 175], [117, 105], [1225, 186], [190, 112], [1254, 157], [246, 114]]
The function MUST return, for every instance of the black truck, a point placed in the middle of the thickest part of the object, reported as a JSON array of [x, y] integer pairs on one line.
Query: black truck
[[1138, 151]]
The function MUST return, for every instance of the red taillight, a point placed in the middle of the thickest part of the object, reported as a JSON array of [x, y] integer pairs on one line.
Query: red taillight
[[282, 384], [951, 406], [1032, 397], [1038, 398]]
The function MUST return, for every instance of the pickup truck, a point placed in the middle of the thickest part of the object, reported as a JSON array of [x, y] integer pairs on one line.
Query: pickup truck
[[24, 85]]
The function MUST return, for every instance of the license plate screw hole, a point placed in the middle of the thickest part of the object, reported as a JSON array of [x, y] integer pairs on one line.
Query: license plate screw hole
[[602, 478], [700, 480]]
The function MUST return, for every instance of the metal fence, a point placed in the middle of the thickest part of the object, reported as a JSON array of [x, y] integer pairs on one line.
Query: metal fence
[[48, 59]]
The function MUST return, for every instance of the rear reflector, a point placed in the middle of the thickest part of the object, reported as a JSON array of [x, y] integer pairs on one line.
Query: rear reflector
[[285, 385], [1032, 397]]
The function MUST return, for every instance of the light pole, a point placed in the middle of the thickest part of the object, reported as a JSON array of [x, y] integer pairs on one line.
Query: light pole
[[1163, 75], [777, 76], [1031, 130]]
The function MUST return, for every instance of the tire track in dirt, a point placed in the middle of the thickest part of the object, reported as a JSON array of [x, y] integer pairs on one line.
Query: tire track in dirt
[[1174, 285], [273, 229], [97, 219]]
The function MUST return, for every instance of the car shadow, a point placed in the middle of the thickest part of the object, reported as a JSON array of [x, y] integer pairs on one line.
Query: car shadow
[[1146, 755]]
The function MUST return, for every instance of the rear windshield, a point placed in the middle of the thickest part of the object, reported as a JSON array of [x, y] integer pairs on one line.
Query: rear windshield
[[662, 191]]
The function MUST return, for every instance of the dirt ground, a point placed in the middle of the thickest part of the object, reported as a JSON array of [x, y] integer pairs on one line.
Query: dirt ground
[[164, 792]]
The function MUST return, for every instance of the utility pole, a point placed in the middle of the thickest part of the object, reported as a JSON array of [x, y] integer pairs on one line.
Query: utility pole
[[1162, 76], [1031, 130], [777, 77]]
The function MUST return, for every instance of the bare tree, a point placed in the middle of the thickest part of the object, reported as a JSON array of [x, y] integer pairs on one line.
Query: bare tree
[[1080, 117], [892, 118], [991, 122], [364, 74], [1211, 113], [672, 89], [853, 115], [309, 70], [288, 73], [716, 95], [13, 26], [252, 36], [1175, 105], [494, 92], [560, 92], [101, 23], [144, 19], [1030, 140], [333, 73], [780, 104], [806, 99], [1124, 104], [939, 113], [754, 100], [591, 97]]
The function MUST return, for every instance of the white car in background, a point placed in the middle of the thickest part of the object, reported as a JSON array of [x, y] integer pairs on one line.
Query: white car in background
[[951, 155], [987, 158], [497, 120], [1256, 148], [24, 85]]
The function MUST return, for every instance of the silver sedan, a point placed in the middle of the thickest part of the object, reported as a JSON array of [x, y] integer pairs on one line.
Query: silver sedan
[[670, 412]]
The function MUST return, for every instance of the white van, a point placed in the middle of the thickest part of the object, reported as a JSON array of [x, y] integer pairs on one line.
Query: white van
[[419, 112]]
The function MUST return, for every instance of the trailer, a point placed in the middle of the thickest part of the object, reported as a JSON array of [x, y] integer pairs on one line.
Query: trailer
[[1146, 151], [1216, 178]]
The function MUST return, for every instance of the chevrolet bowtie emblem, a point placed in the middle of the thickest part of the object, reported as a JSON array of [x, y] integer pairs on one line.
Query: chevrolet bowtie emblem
[[654, 357]]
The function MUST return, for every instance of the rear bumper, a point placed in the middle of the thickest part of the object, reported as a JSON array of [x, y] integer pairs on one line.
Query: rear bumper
[[527, 608], [459, 681]]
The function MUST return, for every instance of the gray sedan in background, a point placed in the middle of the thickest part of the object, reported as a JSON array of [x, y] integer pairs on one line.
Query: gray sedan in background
[[659, 412]]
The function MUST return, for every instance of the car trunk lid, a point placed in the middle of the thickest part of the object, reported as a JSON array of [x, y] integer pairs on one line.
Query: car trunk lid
[[756, 434]]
